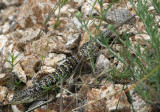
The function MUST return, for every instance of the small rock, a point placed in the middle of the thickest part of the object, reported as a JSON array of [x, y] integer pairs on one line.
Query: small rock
[[33, 13], [87, 8], [3, 93], [142, 38], [2, 75], [129, 6], [5, 28], [15, 109], [71, 40], [102, 62], [26, 36], [68, 30], [53, 58], [86, 79], [116, 47], [157, 18], [13, 2], [106, 99], [3, 41], [120, 66], [29, 64], [77, 23], [139, 104], [151, 8], [18, 108], [65, 11], [20, 73], [45, 70], [46, 45], [121, 14]]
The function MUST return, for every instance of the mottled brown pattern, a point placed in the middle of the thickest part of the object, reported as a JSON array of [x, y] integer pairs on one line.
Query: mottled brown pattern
[[65, 69]]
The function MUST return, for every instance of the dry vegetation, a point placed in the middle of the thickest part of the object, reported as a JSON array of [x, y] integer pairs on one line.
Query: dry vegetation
[[36, 36]]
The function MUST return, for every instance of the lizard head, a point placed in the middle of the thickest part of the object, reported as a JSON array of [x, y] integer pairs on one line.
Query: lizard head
[[31, 93], [21, 97]]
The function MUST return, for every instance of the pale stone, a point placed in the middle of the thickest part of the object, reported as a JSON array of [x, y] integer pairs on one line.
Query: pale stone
[[18, 108], [3, 93], [69, 30], [142, 38], [15, 109], [46, 45], [76, 23], [29, 63], [72, 39], [106, 99], [121, 16], [65, 11], [87, 8], [129, 6], [20, 73], [102, 62], [34, 12], [3, 41], [8, 2], [53, 58], [27, 36], [2, 75], [139, 104], [120, 65], [45, 70], [5, 28], [151, 8]]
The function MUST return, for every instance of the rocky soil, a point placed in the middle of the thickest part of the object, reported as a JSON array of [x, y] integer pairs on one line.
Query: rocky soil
[[28, 48]]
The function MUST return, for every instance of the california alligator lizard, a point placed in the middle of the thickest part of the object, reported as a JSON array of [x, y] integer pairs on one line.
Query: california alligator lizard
[[32, 93]]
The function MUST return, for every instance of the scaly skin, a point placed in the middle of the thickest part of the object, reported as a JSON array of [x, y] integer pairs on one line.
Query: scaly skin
[[32, 93]]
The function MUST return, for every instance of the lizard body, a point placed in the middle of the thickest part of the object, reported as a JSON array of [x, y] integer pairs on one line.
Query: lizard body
[[64, 70], [32, 93]]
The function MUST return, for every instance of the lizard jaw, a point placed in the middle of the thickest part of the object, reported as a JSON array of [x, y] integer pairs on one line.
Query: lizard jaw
[[21, 99]]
